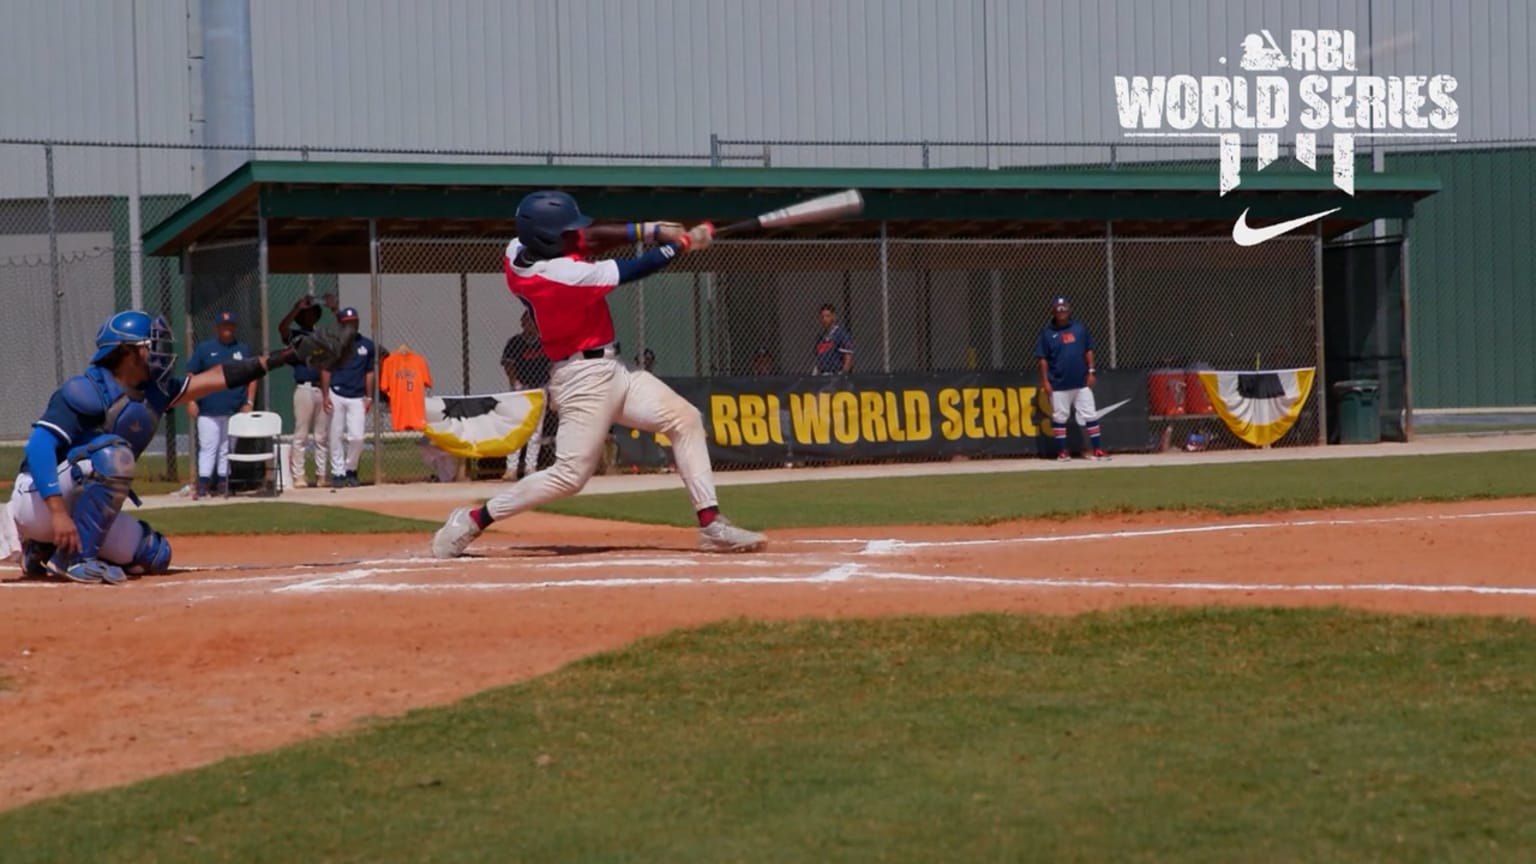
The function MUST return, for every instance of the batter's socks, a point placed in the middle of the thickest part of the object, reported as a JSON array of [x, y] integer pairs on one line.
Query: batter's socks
[[708, 515], [1060, 434], [1095, 440], [482, 517]]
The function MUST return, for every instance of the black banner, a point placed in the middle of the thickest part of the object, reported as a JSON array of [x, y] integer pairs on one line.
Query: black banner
[[774, 420]]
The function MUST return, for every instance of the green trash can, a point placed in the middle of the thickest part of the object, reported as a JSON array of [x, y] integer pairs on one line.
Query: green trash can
[[1358, 417]]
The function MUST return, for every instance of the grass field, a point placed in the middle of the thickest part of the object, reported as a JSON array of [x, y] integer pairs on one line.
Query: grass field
[[402, 463], [1191, 736], [1476, 429], [1078, 490], [151, 469]]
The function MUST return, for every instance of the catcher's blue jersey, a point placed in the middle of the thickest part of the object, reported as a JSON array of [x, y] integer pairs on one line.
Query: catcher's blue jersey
[[92, 404]]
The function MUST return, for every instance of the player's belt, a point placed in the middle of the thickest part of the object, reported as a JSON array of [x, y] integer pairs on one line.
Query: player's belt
[[593, 353]]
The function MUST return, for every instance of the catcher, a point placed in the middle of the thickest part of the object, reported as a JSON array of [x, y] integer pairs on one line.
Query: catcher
[[79, 463]]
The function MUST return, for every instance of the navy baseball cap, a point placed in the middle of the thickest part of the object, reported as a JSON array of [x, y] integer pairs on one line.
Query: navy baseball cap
[[1060, 303], [347, 314], [224, 318]]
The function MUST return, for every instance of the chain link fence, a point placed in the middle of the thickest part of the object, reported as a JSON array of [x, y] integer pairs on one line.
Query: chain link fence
[[920, 313], [743, 323]]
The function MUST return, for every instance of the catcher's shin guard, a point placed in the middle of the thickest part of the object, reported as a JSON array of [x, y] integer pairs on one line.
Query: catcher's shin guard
[[152, 555], [103, 491]]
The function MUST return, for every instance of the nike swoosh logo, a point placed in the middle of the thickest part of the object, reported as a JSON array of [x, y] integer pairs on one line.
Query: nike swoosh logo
[[1243, 235], [1105, 412]]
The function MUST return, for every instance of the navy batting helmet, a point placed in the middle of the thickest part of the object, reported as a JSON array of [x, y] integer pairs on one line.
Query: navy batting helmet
[[542, 220]]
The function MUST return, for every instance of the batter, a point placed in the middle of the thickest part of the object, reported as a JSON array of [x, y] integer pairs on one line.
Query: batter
[[589, 385]]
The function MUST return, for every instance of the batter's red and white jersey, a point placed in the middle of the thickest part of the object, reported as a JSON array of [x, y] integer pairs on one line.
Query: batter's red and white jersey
[[569, 299]]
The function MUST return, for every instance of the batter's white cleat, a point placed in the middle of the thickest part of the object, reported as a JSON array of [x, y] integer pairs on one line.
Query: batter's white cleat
[[457, 533], [722, 536]]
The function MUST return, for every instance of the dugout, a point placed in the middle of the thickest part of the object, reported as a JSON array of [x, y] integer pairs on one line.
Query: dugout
[[945, 272]]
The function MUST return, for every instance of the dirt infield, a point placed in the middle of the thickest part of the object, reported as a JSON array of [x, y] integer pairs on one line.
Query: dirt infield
[[262, 641]]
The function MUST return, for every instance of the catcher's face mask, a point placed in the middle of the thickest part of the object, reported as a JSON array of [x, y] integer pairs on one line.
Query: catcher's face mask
[[162, 349]]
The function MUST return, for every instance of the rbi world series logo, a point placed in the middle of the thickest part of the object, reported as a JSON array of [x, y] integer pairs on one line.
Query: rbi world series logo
[[1333, 99]]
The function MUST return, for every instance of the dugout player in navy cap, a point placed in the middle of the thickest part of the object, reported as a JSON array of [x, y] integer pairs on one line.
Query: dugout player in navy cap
[[348, 394], [310, 421]]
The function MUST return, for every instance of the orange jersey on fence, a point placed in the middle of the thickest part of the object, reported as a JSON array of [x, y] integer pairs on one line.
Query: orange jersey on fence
[[406, 377]]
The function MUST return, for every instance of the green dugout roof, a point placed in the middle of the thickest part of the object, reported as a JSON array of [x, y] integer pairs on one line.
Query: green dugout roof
[[317, 213]]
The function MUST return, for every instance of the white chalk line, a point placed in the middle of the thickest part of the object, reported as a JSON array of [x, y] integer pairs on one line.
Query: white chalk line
[[352, 581], [312, 574], [839, 573], [852, 573], [891, 546]]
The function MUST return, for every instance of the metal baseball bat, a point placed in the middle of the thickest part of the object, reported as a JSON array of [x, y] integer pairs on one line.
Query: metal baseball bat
[[822, 209]]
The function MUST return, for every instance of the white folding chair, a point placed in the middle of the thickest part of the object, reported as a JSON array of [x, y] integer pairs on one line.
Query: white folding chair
[[263, 431]]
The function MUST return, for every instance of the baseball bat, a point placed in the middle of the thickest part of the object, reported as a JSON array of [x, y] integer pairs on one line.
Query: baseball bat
[[822, 209]]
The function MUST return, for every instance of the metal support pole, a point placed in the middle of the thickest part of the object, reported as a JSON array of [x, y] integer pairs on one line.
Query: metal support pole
[[1320, 378], [1109, 271], [1402, 253], [885, 299], [464, 328], [135, 196], [53, 270], [1378, 166], [698, 330], [717, 350], [995, 313], [172, 469], [188, 287], [640, 306], [714, 150], [261, 277], [375, 293]]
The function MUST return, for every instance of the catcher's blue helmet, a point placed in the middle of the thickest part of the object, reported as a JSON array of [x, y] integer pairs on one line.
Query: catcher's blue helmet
[[137, 328], [542, 220]]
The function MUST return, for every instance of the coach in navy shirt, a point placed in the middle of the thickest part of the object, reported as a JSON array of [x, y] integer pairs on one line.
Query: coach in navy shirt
[[212, 412], [348, 394]]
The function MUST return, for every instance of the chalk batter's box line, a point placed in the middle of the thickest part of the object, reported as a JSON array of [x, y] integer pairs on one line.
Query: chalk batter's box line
[[890, 545], [621, 582]]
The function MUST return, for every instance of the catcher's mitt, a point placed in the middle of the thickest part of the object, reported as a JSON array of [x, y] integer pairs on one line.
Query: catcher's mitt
[[323, 349]]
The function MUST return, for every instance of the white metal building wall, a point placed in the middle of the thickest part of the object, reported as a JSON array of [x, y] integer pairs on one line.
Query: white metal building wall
[[68, 73], [662, 75]]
